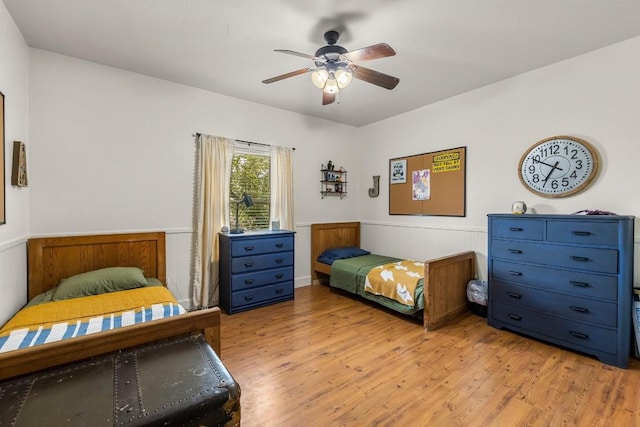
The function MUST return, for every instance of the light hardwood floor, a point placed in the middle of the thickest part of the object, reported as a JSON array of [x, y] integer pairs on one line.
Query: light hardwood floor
[[326, 359]]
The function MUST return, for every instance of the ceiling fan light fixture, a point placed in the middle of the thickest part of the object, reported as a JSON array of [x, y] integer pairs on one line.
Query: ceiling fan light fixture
[[343, 77], [319, 78], [331, 86]]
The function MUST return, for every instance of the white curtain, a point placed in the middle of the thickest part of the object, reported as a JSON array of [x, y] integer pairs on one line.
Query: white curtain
[[282, 187], [214, 157]]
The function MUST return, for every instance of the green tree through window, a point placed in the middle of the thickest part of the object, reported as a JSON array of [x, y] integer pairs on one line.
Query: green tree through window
[[250, 173]]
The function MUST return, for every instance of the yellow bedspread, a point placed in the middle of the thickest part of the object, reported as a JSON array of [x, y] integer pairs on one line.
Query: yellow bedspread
[[45, 315], [396, 280]]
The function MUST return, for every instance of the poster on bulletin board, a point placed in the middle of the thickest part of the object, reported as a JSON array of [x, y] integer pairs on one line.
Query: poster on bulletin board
[[429, 183]]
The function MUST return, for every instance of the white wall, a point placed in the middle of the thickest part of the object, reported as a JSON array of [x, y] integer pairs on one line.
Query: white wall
[[594, 96], [114, 151], [14, 70], [110, 150]]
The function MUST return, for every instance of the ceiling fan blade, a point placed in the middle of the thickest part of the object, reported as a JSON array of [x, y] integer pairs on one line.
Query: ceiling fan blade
[[293, 52], [328, 98], [287, 75], [380, 50], [375, 77]]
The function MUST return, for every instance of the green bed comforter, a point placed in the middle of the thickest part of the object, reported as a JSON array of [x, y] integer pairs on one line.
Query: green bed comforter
[[350, 274]]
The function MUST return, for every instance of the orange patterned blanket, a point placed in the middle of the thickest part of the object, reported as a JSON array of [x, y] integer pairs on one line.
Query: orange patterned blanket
[[396, 280]]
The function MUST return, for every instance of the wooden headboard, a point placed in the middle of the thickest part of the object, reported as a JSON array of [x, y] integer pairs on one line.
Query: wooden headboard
[[51, 259], [328, 236]]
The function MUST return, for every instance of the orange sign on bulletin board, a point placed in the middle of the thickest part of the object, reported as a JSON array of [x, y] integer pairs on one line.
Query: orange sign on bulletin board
[[429, 183]]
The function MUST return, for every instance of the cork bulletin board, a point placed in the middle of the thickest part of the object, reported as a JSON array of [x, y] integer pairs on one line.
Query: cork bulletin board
[[429, 183]]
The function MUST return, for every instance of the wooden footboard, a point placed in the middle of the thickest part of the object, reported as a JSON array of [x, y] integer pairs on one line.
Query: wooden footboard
[[19, 362], [445, 287]]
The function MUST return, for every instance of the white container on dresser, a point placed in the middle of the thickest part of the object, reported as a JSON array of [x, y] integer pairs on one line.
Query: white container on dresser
[[256, 269], [565, 279]]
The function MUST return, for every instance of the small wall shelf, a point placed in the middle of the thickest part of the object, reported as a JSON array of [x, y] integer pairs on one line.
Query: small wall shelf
[[333, 183]]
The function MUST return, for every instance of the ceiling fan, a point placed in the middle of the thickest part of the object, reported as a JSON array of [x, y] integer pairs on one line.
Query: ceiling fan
[[334, 67]]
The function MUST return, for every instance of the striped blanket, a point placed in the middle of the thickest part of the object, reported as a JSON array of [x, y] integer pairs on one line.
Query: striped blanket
[[66, 319]]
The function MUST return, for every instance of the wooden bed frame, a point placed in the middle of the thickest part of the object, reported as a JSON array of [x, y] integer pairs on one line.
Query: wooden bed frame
[[445, 279], [54, 258]]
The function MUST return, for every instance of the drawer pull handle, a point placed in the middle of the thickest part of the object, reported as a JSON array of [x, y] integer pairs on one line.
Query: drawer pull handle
[[279, 291], [581, 233], [248, 298], [579, 258], [248, 281], [579, 335], [515, 273], [248, 264], [579, 309], [279, 245], [279, 260], [579, 284], [514, 295], [515, 317], [249, 248], [279, 276], [515, 251], [516, 229]]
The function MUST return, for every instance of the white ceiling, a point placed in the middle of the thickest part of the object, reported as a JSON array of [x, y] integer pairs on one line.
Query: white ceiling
[[444, 47]]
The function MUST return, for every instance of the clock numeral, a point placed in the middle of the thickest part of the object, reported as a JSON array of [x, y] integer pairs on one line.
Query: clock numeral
[[578, 164], [574, 175]]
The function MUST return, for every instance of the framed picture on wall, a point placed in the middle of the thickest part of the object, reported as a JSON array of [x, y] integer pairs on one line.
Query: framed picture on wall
[[398, 171], [2, 195]]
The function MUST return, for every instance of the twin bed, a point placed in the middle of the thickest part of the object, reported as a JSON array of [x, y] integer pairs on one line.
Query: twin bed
[[50, 260], [439, 296]]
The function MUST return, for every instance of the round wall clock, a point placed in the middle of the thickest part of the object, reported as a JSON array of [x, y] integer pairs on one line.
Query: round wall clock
[[558, 166]]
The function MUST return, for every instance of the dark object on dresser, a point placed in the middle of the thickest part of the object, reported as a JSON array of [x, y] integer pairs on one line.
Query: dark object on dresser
[[179, 382], [256, 269], [566, 279]]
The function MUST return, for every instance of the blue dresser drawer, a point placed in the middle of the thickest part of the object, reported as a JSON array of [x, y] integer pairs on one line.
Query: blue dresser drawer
[[555, 329], [582, 284], [261, 262], [579, 258], [256, 269], [597, 233], [520, 228], [261, 294], [572, 287], [261, 246], [580, 309], [260, 278]]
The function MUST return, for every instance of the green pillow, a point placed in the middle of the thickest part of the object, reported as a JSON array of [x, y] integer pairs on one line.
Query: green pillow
[[98, 282]]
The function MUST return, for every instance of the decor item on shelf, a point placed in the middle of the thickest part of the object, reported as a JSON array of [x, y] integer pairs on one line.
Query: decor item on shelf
[[335, 67], [375, 191], [558, 166], [248, 202], [518, 208], [19, 169], [333, 181]]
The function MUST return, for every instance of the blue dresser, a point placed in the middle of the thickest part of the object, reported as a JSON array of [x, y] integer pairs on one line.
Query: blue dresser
[[256, 269], [565, 279]]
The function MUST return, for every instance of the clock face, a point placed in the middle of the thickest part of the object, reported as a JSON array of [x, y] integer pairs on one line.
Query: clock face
[[558, 166]]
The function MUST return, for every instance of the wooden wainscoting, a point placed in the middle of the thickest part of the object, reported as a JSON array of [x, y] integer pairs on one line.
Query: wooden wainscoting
[[327, 359]]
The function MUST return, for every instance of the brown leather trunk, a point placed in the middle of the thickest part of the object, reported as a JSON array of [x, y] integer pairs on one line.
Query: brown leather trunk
[[177, 382]]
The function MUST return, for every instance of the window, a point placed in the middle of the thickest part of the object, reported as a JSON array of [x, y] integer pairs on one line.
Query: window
[[250, 173]]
